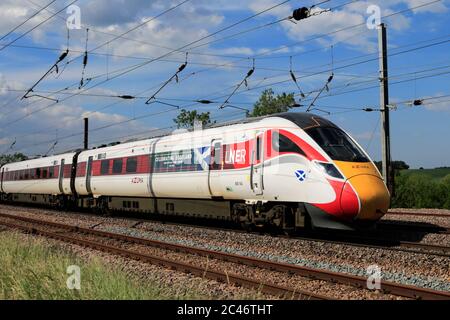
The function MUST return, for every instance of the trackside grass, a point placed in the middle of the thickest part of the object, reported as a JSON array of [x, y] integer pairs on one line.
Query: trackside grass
[[33, 269]]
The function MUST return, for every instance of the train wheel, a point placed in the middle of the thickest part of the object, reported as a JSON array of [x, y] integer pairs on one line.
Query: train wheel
[[102, 207]]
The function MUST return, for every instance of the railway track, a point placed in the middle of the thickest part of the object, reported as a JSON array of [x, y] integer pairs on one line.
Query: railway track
[[355, 281], [375, 241], [344, 239], [263, 287]]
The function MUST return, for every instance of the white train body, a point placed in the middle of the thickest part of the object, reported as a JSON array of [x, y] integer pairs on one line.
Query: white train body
[[49, 175], [261, 163]]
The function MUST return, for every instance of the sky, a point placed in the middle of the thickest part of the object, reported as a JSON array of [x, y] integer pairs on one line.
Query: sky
[[134, 46]]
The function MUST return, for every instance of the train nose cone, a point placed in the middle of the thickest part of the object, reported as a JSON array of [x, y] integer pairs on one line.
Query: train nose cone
[[372, 194]]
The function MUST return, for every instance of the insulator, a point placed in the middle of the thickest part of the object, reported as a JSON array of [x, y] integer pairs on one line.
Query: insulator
[[63, 56], [293, 77], [126, 96], [204, 101], [300, 13]]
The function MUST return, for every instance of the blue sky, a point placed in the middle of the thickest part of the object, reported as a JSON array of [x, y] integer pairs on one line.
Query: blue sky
[[419, 133]]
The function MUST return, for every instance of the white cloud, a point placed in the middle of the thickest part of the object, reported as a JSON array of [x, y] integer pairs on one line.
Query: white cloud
[[4, 141], [344, 17]]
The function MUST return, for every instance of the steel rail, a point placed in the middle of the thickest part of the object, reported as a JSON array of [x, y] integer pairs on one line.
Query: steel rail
[[319, 274], [225, 277], [350, 240]]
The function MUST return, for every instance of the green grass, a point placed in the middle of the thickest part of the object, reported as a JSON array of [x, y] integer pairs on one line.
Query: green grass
[[33, 269]]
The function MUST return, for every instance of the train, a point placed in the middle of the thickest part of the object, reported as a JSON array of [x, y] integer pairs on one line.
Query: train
[[288, 171]]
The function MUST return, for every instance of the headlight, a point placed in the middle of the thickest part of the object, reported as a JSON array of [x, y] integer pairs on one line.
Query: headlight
[[329, 169]]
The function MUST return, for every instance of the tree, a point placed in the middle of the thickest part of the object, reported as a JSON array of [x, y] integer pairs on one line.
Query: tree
[[186, 119], [396, 165], [268, 104], [9, 158]]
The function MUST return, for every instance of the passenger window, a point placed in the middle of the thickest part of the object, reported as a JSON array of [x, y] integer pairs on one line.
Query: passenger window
[[38, 173], [217, 147], [44, 173], [216, 156], [258, 148], [117, 166], [67, 171], [104, 168], [281, 143], [131, 165]]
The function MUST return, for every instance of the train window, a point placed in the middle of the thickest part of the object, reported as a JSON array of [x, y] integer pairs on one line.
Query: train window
[[217, 148], [104, 167], [117, 166], [44, 173], [337, 144], [27, 175], [281, 143], [258, 148], [131, 165], [38, 173], [67, 173], [51, 172]]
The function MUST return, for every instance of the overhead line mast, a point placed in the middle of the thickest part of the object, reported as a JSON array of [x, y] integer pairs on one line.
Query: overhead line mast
[[384, 106]]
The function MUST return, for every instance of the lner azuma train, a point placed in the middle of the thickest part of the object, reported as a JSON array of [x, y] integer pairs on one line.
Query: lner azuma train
[[286, 170]]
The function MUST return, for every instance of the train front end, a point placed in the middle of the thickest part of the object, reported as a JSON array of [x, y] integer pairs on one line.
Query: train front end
[[361, 197]]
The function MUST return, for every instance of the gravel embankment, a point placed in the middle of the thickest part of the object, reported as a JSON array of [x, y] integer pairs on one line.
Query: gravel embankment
[[431, 220], [182, 284], [336, 291], [408, 268]]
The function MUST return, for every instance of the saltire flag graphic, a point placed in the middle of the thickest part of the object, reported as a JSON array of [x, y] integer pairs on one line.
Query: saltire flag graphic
[[202, 157]]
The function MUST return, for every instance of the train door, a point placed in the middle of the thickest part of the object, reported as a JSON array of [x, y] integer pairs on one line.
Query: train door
[[61, 175], [257, 164], [215, 168], [2, 174], [89, 174], [151, 160]]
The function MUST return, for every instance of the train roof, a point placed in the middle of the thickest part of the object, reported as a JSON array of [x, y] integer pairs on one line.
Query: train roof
[[304, 120]]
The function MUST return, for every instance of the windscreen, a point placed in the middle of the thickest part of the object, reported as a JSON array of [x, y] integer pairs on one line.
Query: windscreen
[[337, 144]]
